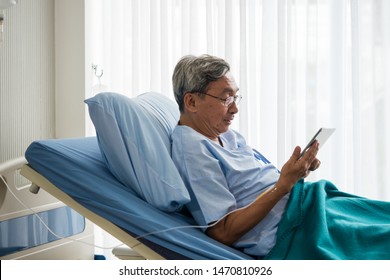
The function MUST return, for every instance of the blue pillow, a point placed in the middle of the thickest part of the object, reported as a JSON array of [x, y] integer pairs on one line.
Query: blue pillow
[[134, 139]]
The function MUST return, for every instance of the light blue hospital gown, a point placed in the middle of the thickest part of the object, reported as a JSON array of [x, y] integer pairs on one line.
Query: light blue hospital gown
[[222, 179]]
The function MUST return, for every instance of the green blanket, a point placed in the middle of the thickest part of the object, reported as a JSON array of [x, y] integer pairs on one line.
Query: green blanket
[[322, 222]]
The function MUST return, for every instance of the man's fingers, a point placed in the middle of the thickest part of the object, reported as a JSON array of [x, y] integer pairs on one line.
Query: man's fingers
[[315, 164], [311, 154], [296, 153]]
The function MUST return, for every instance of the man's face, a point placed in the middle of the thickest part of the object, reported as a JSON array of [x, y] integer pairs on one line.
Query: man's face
[[213, 116]]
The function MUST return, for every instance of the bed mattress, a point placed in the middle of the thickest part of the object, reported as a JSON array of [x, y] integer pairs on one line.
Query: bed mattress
[[75, 166]]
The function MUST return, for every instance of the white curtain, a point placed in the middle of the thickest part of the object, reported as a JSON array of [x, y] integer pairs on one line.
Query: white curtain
[[300, 65]]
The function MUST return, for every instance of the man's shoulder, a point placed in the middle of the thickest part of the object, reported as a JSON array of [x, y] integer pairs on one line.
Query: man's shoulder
[[186, 132], [184, 138]]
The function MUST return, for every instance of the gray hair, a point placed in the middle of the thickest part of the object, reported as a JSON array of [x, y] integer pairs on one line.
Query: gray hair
[[193, 74]]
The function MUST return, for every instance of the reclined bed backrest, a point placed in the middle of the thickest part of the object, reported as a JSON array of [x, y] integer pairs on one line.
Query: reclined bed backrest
[[134, 139]]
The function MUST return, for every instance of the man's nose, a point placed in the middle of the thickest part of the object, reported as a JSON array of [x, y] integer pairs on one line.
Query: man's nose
[[233, 108]]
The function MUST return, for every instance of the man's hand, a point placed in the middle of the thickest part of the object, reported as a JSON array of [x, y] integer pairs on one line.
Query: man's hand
[[236, 224], [298, 167]]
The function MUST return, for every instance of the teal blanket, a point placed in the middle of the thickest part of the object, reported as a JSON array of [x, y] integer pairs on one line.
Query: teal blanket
[[322, 222]]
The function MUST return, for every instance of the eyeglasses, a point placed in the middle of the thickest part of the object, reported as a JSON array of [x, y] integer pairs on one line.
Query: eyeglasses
[[227, 101]]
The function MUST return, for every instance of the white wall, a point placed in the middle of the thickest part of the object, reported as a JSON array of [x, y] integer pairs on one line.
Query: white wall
[[42, 74], [70, 68], [27, 80]]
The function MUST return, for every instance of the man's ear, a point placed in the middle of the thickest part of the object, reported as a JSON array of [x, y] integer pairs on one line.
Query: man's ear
[[190, 100]]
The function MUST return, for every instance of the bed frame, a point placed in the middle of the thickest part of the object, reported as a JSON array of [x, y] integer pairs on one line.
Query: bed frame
[[11, 185], [138, 250]]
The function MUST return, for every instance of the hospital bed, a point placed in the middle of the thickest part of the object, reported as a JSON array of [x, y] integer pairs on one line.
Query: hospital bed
[[124, 181], [146, 211]]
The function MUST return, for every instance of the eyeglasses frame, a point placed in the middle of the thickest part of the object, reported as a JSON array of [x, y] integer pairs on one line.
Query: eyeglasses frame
[[236, 99]]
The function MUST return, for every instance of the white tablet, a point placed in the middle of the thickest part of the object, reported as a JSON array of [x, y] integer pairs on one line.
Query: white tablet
[[321, 136]]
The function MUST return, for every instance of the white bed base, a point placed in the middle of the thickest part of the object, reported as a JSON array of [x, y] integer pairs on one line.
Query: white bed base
[[38, 201], [137, 251]]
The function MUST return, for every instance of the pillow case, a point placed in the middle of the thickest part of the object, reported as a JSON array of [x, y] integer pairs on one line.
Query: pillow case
[[134, 139]]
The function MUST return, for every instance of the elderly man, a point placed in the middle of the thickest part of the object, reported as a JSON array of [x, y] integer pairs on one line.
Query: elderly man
[[240, 197], [242, 200]]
